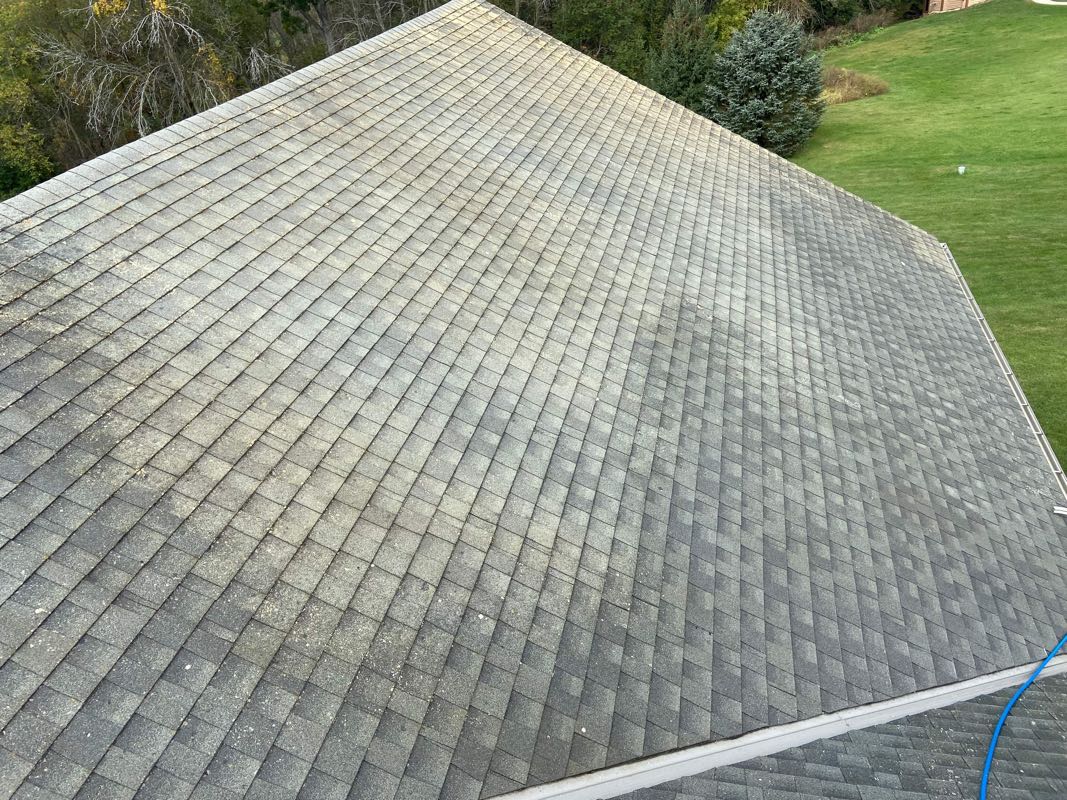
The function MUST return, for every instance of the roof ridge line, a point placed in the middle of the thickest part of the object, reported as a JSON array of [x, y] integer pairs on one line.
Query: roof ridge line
[[549, 38], [1013, 383], [652, 771], [26, 204]]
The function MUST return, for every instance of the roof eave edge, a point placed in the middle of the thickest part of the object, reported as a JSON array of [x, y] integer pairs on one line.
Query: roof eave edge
[[1013, 383], [655, 770]]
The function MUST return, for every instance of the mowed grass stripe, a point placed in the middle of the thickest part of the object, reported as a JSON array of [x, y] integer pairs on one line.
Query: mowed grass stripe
[[986, 88]]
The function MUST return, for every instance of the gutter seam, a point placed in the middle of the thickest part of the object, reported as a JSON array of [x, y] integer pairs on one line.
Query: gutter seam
[[1013, 382]]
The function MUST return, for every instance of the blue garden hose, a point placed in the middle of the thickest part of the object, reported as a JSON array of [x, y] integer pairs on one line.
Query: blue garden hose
[[1007, 710]]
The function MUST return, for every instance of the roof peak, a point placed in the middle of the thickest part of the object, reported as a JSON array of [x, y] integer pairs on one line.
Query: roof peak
[[457, 415]]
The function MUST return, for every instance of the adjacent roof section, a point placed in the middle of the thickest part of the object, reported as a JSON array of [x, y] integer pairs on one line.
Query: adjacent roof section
[[456, 414], [935, 754]]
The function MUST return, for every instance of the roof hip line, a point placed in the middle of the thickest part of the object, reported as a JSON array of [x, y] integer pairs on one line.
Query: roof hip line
[[648, 772], [1013, 382]]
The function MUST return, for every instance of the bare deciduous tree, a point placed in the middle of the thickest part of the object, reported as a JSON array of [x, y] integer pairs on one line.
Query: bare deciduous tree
[[139, 65]]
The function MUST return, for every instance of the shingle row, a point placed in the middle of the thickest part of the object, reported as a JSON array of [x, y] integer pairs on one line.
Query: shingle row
[[456, 415]]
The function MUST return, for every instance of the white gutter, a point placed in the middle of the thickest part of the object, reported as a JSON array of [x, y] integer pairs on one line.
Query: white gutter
[[643, 773], [1013, 382], [614, 781]]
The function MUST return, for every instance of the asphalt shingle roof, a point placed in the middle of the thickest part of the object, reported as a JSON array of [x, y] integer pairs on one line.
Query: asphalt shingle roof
[[456, 414], [938, 753]]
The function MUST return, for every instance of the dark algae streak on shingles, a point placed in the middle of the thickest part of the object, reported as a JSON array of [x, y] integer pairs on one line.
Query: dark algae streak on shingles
[[455, 415]]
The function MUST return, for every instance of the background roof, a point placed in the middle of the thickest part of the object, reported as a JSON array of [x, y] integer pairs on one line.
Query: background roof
[[938, 753], [458, 413]]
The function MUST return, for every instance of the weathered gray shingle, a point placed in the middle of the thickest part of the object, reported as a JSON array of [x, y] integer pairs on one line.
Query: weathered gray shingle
[[937, 753], [455, 415]]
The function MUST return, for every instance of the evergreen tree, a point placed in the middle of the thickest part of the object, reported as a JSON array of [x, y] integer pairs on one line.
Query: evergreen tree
[[681, 68], [611, 31], [767, 85]]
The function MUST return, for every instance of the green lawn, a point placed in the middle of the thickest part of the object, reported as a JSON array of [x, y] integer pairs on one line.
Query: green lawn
[[985, 87]]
